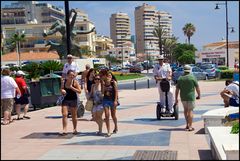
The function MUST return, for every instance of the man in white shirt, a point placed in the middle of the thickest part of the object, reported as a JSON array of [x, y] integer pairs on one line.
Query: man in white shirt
[[230, 94], [70, 65], [164, 71], [8, 91]]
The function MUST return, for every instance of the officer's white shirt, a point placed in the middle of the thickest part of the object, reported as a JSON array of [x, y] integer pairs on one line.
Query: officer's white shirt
[[162, 71]]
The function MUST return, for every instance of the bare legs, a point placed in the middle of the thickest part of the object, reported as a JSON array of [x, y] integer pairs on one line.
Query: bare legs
[[73, 111], [188, 113], [107, 117]]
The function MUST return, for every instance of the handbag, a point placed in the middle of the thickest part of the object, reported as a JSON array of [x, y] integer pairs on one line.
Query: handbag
[[59, 100], [89, 105]]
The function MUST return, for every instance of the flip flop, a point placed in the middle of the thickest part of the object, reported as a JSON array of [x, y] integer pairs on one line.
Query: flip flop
[[191, 129], [107, 135], [4, 123], [26, 117], [115, 131], [75, 133], [63, 134]]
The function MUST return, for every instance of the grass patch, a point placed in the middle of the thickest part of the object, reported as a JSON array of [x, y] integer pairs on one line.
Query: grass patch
[[128, 76]]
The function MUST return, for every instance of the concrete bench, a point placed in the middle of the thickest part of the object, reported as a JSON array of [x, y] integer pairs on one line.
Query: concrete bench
[[224, 145], [217, 117]]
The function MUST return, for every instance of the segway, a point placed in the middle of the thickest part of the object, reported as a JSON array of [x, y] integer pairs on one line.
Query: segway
[[165, 87]]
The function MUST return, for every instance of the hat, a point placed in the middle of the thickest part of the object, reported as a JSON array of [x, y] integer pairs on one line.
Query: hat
[[187, 68], [160, 57], [69, 56], [20, 73]]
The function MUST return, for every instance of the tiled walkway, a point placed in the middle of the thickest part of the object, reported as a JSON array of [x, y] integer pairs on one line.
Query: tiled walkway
[[139, 129]]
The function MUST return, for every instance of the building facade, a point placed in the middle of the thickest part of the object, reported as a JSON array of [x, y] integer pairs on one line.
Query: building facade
[[216, 53], [35, 18], [120, 29], [147, 18]]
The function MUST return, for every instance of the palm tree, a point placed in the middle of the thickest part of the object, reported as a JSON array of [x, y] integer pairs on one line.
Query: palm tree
[[160, 33], [15, 42], [189, 30], [169, 45]]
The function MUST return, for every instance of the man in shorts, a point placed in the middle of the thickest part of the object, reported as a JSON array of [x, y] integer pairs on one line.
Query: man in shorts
[[230, 94], [186, 85]]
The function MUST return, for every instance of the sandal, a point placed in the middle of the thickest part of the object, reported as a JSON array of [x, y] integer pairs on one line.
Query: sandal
[[63, 134], [115, 131], [75, 133], [19, 118], [108, 135], [191, 129], [186, 128], [26, 117], [4, 123]]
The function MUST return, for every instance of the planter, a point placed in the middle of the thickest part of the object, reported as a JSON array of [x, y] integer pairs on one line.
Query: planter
[[224, 145]]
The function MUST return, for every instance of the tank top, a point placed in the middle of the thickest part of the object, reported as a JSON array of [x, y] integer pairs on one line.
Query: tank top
[[70, 94], [97, 96], [109, 93]]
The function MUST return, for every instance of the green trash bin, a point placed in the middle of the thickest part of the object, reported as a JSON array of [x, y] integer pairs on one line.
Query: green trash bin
[[45, 92]]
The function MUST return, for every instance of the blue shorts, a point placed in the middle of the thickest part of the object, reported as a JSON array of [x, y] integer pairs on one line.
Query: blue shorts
[[232, 102], [108, 103]]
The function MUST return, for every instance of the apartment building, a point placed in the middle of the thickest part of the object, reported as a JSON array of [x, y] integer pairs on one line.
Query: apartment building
[[84, 24], [120, 29], [147, 18], [35, 18], [103, 43]]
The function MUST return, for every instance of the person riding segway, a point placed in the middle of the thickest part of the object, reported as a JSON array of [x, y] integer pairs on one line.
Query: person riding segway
[[162, 74]]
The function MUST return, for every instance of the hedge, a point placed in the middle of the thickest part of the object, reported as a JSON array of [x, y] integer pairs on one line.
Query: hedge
[[227, 74]]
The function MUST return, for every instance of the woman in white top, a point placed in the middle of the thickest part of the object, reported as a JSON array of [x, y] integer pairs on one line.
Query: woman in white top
[[8, 91]]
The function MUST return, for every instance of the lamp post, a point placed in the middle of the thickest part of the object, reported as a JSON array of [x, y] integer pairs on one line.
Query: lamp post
[[148, 55], [226, 7]]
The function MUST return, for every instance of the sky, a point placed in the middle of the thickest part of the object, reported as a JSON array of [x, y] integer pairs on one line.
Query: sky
[[210, 23]]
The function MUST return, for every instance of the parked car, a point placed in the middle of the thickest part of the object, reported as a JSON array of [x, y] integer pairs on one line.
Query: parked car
[[115, 68], [211, 70], [196, 71], [136, 69]]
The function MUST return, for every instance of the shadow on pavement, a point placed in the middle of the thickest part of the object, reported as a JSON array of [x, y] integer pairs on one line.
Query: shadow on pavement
[[205, 154], [47, 135]]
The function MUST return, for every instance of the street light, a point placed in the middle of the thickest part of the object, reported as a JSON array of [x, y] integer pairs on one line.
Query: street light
[[226, 7], [148, 55]]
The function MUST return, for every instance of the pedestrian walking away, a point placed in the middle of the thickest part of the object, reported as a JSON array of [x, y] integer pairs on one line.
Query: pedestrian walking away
[[69, 88], [23, 100], [187, 84], [9, 89]]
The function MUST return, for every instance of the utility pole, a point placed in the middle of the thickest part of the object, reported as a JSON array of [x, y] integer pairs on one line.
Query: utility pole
[[68, 34]]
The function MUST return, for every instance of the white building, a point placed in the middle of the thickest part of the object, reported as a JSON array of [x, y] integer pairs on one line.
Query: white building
[[216, 53]]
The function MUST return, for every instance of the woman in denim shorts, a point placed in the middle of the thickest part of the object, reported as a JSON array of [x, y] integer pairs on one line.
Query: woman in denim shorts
[[110, 102]]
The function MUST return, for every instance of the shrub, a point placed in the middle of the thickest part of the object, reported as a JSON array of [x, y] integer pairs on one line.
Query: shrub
[[33, 70], [223, 68], [227, 74], [235, 128]]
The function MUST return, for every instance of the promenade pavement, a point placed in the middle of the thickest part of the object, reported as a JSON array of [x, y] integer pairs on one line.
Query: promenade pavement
[[139, 129]]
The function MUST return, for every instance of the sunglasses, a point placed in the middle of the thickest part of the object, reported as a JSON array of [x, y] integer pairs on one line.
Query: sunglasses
[[97, 79], [69, 58]]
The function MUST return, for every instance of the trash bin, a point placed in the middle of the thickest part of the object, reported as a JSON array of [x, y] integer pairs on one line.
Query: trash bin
[[45, 92]]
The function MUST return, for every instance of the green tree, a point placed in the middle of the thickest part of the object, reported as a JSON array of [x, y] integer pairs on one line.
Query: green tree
[[112, 59], [180, 48], [188, 57], [169, 45], [14, 42], [160, 33], [33, 69], [188, 30], [51, 65]]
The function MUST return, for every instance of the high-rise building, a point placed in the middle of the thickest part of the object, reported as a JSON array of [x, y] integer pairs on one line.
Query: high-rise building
[[120, 29], [147, 18]]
